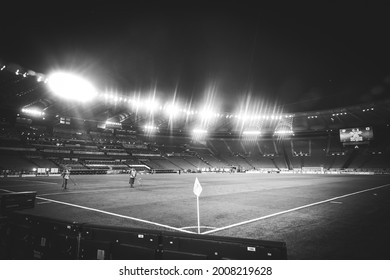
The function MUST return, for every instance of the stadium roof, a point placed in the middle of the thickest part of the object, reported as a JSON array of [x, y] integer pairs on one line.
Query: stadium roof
[[232, 58]]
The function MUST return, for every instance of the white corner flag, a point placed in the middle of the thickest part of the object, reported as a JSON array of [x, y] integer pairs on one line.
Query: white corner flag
[[197, 187], [197, 191]]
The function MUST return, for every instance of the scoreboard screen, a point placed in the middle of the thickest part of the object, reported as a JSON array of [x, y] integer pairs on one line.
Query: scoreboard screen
[[357, 135]]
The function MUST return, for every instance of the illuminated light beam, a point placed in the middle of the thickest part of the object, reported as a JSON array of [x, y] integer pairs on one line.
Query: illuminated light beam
[[71, 87]]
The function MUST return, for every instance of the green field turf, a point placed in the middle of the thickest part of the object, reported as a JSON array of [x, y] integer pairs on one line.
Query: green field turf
[[318, 216]]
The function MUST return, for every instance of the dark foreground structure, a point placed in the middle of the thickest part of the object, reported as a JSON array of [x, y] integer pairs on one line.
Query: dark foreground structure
[[25, 237]]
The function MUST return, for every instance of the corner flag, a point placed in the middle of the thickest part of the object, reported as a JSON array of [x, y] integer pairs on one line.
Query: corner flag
[[197, 187], [197, 191]]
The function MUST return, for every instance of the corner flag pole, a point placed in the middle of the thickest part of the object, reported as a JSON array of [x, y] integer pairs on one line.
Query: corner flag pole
[[197, 191], [197, 206]]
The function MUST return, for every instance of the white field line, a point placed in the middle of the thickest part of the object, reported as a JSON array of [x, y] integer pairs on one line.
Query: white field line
[[73, 192], [22, 185], [76, 189], [291, 210], [33, 181], [8, 191], [196, 227], [105, 212], [114, 214]]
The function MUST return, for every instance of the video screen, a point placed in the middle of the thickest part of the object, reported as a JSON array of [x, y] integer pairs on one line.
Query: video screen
[[356, 135]]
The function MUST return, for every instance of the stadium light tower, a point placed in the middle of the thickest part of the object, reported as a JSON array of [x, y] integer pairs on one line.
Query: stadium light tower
[[71, 87]]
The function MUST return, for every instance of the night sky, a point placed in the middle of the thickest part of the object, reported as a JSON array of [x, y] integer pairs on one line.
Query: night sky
[[300, 55]]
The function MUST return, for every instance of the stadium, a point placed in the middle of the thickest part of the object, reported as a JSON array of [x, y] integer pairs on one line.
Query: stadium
[[257, 179]]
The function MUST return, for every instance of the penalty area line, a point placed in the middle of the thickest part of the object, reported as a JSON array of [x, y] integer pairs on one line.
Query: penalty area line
[[114, 214], [292, 210]]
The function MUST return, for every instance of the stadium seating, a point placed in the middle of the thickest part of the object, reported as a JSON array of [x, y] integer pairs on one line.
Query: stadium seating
[[219, 147], [251, 147], [182, 163], [24, 148], [260, 162], [16, 162], [235, 146], [196, 162]]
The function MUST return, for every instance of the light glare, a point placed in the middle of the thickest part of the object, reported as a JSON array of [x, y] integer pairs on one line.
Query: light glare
[[71, 87], [33, 112], [199, 131], [251, 132], [283, 132]]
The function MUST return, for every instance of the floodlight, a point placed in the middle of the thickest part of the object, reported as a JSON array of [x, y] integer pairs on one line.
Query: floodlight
[[151, 104], [284, 132], [251, 132], [32, 112], [136, 102], [207, 114], [72, 87], [113, 123], [171, 110], [199, 131], [150, 128]]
